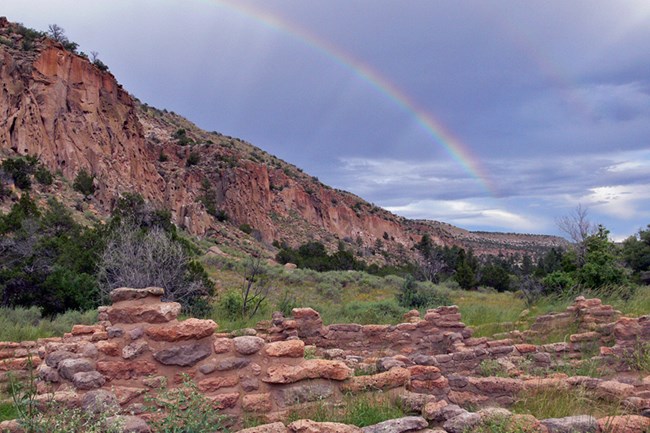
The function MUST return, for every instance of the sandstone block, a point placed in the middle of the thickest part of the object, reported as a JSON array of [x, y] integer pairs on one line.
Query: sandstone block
[[398, 425], [303, 393], [184, 355], [525, 348], [257, 403], [135, 349], [624, 424], [424, 372], [86, 329], [224, 401], [47, 373], [162, 312], [433, 410], [309, 426], [130, 423], [99, 401], [249, 384], [110, 348], [248, 345], [128, 294], [290, 348], [276, 427], [310, 369], [462, 423], [465, 398], [185, 330], [497, 385], [223, 345], [212, 384], [570, 424], [232, 364], [390, 379]]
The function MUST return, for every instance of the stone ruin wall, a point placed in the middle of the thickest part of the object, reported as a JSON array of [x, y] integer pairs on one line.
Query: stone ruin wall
[[138, 344]]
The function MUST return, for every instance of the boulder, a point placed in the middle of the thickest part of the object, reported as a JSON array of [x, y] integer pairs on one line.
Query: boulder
[[135, 349], [100, 401], [624, 424], [276, 427], [309, 426], [71, 366], [257, 403]]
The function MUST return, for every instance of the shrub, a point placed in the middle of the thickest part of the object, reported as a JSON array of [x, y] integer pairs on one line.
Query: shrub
[[246, 228], [193, 159], [84, 182], [20, 169], [43, 176]]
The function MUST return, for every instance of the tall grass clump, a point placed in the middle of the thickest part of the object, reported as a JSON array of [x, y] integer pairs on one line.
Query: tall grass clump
[[363, 312], [361, 410], [559, 402], [22, 324]]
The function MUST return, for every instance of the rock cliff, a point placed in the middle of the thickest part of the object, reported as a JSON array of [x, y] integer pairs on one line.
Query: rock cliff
[[59, 106]]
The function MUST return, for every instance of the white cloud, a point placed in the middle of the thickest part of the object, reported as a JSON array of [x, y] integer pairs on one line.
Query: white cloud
[[620, 201], [466, 213]]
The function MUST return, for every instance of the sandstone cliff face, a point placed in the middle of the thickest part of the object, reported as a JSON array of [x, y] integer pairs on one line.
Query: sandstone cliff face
[[60, 107]]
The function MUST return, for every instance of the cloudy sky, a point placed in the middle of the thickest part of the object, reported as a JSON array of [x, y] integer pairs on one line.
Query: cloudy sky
[[488, 114]]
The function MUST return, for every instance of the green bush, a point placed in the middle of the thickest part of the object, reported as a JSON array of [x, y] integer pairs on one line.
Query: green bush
[[193, 159], [20, 169], [246, 228], [184, 410], [43, 176], [84, 183]]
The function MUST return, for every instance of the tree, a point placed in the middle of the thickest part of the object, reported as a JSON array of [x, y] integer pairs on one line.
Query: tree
[[256, 288], [636, 252], [578, 228], [57, 33], [143, 258]]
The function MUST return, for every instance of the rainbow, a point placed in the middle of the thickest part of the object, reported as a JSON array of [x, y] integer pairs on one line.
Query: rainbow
[[435, 129]]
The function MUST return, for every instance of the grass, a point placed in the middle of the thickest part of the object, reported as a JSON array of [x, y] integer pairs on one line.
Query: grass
[[360, 410], [23, 324], [562, 402]]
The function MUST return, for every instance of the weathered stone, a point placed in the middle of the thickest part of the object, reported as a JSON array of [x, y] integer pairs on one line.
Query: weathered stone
[[421, 359], [86, 329], [424, 372], [462, 423], [129, 423], [146, 313], [208, 368], [432, 386], [69, 367], [276, 427], [114, 332], [47, 373], [88, 380], [497, 385], [433, 410], [290, 348], [571, 424], [615, 390], [385, 364], [309, 426], [135, 349], [398, 425], [309, 369], [224, 401], [257, 403], [466, 398], [232, 364], [125, 369], [248, 345], [185, 330], [125, 394], [136, 333], [624, 424], [249, 384], [154, 381], [413, 402], [53, 359], [128, 294], [223, 345], [99, 401], [212, 384], [303, 393], [184, 355], [390, 379]]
